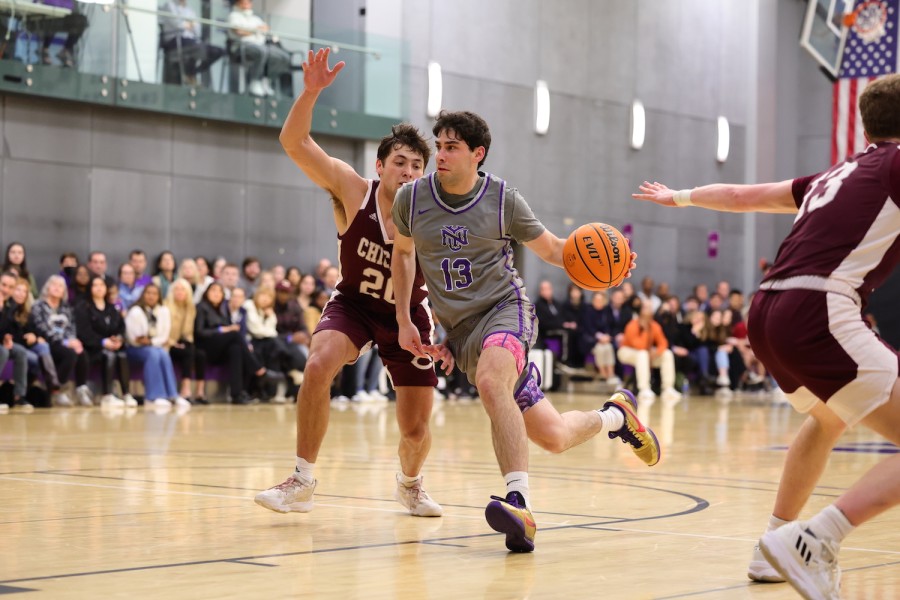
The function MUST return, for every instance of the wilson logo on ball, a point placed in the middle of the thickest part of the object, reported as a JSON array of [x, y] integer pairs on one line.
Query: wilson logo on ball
[[596, 256]]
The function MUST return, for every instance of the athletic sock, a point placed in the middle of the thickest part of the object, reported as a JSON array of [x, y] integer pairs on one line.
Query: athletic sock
[[611, 419], [304, 470], [408, 481], [831, 523], [775, 523], [517, 481]]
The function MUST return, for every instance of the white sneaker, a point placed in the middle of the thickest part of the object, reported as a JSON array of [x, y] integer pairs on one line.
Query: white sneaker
[[110, 401], [255, 88], [84, 396], [377, 396], [723, 381], [180, 402], [646, 398], [361, 396], [760, 569], [613, 381], [670, 396], [267, 87], [159, 404], [4, 408], [416, 500], [62, 399], [807, 562], [130, 402], [779, 397], [292, 495], [296, 377]]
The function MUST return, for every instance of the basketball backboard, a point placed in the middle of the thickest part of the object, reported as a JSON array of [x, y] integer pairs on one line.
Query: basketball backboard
[[824, 34]]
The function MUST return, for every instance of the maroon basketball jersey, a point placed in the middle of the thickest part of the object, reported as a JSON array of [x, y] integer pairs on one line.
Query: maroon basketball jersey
[[848, 222], [365, 261]]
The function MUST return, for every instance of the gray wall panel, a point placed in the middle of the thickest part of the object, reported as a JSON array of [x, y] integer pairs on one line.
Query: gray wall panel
[[45, 130], [208, 149], [129, 210], [142, 143], [273, 219], [208, 218], [48, 209]]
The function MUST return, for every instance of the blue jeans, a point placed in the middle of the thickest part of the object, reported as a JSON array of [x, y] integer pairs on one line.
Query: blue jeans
[[20, 367], [701, 355], [159, 375]]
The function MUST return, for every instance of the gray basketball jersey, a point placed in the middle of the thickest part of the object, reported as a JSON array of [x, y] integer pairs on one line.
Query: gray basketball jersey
[[465, 251]]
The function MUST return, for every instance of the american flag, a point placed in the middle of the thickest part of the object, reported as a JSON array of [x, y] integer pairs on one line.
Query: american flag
[[869, 53]]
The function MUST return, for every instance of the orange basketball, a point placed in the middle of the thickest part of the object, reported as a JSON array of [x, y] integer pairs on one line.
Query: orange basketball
[[596, 256]]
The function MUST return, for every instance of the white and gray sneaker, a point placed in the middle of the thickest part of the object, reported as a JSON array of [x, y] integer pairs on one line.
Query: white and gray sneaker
[[4, 408], [416, 499], [84, 396], [130, 401], [294, 494], [110, 401], [760, 569], [807, 562], [62, 399]]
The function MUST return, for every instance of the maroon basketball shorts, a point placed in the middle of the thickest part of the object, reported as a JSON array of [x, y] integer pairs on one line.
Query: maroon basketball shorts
[[365, 327], [818, 348]]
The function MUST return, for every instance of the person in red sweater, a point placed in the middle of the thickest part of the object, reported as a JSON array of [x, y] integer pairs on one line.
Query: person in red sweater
[[644, 346]]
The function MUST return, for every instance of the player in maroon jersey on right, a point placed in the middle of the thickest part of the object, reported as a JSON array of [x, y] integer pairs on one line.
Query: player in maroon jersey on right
[[361, 311], [806, 326]]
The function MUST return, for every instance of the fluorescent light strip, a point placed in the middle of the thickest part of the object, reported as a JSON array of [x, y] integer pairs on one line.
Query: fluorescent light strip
[[724, 140], [541, 107], [638, 125], [435, 89]]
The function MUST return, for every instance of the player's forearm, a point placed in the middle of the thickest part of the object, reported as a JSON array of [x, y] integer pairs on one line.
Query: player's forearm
[[403, 271], [762, 197], [296, 129]]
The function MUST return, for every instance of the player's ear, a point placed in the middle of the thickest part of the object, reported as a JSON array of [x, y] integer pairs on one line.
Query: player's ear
[[379, 167], [479, 153]]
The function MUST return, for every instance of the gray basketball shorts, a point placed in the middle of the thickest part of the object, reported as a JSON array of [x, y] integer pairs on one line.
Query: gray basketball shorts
[[466, 340]]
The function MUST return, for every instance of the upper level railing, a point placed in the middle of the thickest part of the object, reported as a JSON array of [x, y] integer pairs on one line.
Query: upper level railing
[[199, 57]]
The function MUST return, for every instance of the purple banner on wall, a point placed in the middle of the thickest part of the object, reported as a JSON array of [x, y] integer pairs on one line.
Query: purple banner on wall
[[712, 244], [627, 230]]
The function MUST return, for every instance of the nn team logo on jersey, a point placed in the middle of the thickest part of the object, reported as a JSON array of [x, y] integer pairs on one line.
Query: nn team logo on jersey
[[454, 237]]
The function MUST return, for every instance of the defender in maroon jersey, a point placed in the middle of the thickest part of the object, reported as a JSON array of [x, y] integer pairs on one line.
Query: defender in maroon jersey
[[806, 325], [361, 310]]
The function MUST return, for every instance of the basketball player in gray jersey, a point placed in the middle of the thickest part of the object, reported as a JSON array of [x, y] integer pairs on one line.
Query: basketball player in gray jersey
[[361, 310], [806, 325], [460, 223]]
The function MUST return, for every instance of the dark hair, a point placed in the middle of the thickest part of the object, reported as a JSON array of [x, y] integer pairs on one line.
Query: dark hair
[[66, 255], [249, 261], [468, 127], [142, 302], [135, 252], [206, 293], [401, 135], [23, 268], [90, 286], [878, 108], [122, 266], [159, 258]]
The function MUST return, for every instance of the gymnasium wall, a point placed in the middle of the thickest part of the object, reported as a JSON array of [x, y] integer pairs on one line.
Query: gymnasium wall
[[77, 177]]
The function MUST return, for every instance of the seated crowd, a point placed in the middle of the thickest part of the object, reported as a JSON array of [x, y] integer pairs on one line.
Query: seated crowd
[[169, 323], [700, 342]]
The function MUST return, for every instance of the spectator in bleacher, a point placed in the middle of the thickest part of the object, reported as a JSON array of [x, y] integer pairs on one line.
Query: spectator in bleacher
[[79, 290], [229, 278], [55, 322], [736, 306], [620, 314], [68, 261], [719, 336], [273, 351], [265, 59], [9, 349], [25, 334], [129, 290], [184, 353], [697, 334], [191, 274], [97, 265], [292, 328], [313, 312], [164, 272], [331, 277], [723, 289], [101, 329], [690, 305], [204, 269], [716, 302], [185, 31], [294, 275], [250, 271], [701, 293], [72, 24], [663, 291], [237, 313], [112, 296], [137, 258], [571, 314], [632, 301], [278, 272], [217, 267], [305, 290], [644, 346], [319, 272], [677, 333], [595, 335], [223, 343], [647, 296], [551, 334], [266, 279], [147, 327], [15, 258]]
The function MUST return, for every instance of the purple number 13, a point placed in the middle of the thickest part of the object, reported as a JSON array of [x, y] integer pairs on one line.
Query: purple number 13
[[461, 275]]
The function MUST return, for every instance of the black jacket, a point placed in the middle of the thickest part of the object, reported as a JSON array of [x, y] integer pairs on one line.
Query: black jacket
[[93, 324]]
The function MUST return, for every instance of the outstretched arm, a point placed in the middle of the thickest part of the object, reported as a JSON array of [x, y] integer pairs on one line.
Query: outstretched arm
[[333, 175], [725, 197], [403, 272]]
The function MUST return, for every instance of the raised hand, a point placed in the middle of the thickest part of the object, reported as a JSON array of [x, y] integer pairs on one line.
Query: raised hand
[[316, 73], [655, 192]]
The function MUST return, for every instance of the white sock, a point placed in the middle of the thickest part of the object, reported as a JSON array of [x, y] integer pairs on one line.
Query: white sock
[[611, 419], [304, 470], [831, 523], [517, 481], [408, 481], [775, 523]]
